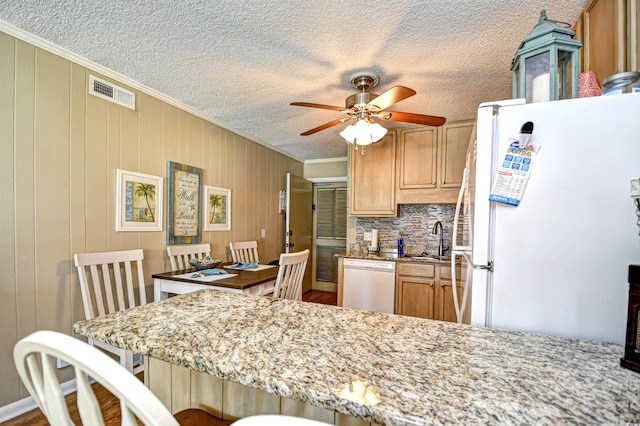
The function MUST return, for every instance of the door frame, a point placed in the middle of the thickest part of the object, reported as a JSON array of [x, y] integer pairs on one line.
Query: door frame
[[323, 285]]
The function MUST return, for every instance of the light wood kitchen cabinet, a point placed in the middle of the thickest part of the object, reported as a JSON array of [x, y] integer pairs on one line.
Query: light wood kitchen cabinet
[[415, 290], [608, 30], [417, 165], [444, 306], [425, 291], [603, 26], [430, 162], [372, 178]]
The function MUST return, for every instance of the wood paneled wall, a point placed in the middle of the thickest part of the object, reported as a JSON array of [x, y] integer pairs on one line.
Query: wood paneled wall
[[59, 151]]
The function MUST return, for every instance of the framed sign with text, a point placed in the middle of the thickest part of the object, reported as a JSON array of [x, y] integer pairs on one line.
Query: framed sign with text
[[184, 203]]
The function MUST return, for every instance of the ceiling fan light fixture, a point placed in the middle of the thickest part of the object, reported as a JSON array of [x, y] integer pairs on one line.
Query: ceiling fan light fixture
[[349, 133], [363, 132], [377, 132]]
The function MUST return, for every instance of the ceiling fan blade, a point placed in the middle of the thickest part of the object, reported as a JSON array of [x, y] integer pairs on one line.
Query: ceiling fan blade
[[392, 96], [325, 126], [310, 105], [407, 117]]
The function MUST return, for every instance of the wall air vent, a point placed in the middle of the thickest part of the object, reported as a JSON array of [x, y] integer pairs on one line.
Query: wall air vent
[[105, 90]]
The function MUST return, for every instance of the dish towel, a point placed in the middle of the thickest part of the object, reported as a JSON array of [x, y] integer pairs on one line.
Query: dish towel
[[244, 265], [206, 272]]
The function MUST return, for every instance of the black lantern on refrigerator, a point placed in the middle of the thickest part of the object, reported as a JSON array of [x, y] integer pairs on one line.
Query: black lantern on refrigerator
[[545, 67]]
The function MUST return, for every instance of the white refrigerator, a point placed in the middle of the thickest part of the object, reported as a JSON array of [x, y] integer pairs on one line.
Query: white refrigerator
[[557, 263]]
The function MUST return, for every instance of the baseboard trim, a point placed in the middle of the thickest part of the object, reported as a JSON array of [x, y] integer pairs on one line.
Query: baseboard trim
[[325, 286], [22, 406]]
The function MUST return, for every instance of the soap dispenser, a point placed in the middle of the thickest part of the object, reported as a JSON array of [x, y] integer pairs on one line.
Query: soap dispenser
[[400, 244]]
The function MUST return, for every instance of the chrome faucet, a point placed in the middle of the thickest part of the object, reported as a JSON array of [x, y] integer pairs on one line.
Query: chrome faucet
[[441, 248]]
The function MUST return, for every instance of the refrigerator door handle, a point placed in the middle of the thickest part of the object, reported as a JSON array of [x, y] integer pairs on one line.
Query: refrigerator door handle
[[456, 215], [487, 267]]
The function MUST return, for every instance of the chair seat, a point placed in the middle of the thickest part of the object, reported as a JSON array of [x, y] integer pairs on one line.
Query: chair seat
[[196, 417]]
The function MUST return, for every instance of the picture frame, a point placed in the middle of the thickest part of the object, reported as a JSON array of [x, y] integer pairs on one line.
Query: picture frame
[[138, 202], [184, 203], [217, 209]]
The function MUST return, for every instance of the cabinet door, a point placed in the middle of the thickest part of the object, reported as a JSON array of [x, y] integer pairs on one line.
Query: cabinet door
[[578, 28], [454, 142], [416, 297], [430, 163], [445, 309], [417, 158], [604, 37], [372, 178]]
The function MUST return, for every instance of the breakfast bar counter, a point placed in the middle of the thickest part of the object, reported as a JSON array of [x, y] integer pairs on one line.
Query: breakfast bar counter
[[380, 368]]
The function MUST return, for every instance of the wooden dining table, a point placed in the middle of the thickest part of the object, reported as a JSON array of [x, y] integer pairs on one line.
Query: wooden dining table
[[259, 281]]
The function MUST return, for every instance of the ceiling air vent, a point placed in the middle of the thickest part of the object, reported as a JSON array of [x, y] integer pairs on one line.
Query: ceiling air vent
[[105, 90]]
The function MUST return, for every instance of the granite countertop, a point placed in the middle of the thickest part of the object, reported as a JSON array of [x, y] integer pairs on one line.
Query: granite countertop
[[415, 258], [385, 368]]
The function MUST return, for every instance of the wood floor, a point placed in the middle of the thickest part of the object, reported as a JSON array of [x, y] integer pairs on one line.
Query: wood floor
[[109, 404]]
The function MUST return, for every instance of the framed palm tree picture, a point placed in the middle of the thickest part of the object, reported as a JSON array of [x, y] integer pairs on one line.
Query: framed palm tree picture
[[138, 201], [217, 210]]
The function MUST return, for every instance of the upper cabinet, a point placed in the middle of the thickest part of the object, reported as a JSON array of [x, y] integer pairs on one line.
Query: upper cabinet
[[415, 165], [372, 178], [608, 30], [430, 162]]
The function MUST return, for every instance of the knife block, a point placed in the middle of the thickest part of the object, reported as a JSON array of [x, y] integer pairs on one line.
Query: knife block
[[631, 359]]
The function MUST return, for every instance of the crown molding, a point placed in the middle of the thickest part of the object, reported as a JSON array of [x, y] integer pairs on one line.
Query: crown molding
[[327, 160], [80, 60]]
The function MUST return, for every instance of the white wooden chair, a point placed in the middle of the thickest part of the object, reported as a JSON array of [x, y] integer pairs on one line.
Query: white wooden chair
[[179, 256], [109, 282], [35, 359], [244, 251], [290, 275]]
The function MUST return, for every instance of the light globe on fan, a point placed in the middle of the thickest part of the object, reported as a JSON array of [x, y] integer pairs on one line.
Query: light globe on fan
[[363, 132]]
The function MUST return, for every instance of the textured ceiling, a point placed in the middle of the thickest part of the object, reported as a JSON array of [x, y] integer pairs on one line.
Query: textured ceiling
[[241, 62]]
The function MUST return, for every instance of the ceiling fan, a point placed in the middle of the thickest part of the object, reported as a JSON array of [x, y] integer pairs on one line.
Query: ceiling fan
[[364, 106]]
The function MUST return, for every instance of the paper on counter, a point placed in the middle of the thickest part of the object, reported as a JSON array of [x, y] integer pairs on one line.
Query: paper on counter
[[206, 278], [258, 268]]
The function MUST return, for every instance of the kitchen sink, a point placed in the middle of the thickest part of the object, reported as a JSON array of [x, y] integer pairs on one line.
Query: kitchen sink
[[430, 257]]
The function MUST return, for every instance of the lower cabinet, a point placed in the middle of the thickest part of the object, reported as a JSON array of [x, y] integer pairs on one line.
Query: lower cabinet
[[425, 291], [415, 290]]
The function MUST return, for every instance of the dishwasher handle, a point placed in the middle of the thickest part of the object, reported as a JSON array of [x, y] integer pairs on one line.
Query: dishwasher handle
[[369, 268], [370, 265]]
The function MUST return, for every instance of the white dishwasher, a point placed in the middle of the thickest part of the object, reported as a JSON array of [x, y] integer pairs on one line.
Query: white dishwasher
[[369, 285]]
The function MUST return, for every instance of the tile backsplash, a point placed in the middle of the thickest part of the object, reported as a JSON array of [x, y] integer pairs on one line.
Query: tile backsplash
[[416, 222]]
